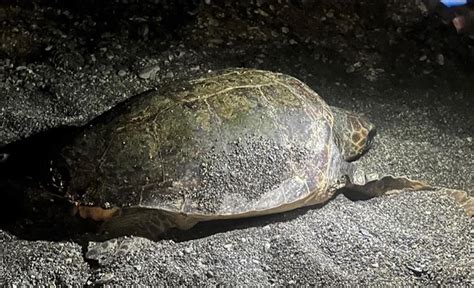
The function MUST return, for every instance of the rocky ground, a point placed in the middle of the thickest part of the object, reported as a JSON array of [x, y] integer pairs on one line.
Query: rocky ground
[[406, 71]]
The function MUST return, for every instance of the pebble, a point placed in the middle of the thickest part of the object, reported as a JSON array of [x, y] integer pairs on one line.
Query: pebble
[[427, 71], [4, 157], [350, 69], [417, 268], [267, 246], [285, 30], [122, 73], [188, 250], [148, 72], [423, 58], [364, 232], [104, 278], [440, 59], [261, 12]]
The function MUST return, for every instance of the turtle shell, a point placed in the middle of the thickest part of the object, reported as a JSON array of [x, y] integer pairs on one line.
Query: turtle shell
[[234, 142]]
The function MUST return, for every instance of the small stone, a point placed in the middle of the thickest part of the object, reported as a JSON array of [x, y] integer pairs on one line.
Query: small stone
[[293, 42], [48, 48], [104, 278], [261, 12], [29, 85], [440, 59], [137, 267], [228, 247], [285, 30], [469, 139], [423, 58], [267, 246], [188, 250], [371, 177], [375, 265], [417, 268], [364, 232], [121, 73], [148, 72], [350, 69], [144, 31]]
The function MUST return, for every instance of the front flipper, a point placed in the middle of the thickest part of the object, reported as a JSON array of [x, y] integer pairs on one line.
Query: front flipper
[[383, 186], [463, 199], [389, 185]]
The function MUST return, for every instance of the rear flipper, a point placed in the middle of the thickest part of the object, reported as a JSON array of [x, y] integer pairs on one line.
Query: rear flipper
[[149, 223]]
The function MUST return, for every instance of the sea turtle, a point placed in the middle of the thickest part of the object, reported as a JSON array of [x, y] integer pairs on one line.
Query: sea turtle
[[234, 143]]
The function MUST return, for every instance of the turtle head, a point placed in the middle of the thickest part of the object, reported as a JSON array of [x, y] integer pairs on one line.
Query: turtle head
[[353, 133]]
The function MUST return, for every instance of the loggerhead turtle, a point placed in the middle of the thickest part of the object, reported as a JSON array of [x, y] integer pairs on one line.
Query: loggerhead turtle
[[235, 143]]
